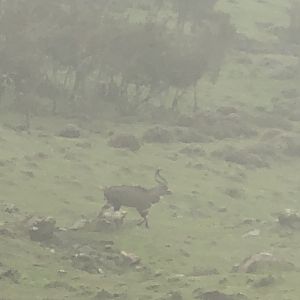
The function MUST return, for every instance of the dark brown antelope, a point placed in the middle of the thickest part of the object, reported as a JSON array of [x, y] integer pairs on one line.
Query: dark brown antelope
[[136, 196]]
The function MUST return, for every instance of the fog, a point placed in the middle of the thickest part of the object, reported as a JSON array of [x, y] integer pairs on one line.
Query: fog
[[149, 149]]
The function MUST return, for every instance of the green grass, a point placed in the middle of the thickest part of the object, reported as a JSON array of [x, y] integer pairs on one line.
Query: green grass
[[67, 189], [61, 188], [248, 15]]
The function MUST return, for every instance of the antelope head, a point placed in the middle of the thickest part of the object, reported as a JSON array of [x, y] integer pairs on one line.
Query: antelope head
[[161, 188]]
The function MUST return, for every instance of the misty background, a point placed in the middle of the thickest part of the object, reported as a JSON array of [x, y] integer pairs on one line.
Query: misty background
[[181, 114]]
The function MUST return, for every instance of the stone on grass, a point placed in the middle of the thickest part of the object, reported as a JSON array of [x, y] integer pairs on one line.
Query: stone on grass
[[289, 218], [262, 262], [41, 228], [130, 258]]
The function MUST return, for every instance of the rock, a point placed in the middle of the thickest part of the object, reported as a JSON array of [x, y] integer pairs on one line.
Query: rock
[[107, 220], [176, 277], [290, 219], [139, 268], [130, 258], [61, 272], [158, 273], [261, 262], [125, 141], [80, 224], [252, 233], [41, 228], [100, 271], [114, 217], [70, 131]]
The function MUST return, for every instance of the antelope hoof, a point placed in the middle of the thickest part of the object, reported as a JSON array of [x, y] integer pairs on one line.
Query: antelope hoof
[[143, 221]]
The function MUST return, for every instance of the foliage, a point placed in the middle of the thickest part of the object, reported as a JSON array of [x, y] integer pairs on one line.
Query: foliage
[[85, 53], [294, 27]]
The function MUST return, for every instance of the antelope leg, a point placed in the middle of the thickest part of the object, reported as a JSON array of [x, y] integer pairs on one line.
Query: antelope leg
[[141, 222], [144, 215], [103, 208], [146, 222]]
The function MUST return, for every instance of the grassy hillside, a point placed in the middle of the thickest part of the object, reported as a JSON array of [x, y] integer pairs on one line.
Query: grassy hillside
[[197, 234]]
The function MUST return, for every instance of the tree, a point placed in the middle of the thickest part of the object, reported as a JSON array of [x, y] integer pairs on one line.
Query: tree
[[82, 54]]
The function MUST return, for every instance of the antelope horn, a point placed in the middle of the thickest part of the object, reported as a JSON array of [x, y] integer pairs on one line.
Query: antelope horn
[[159, 179]]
